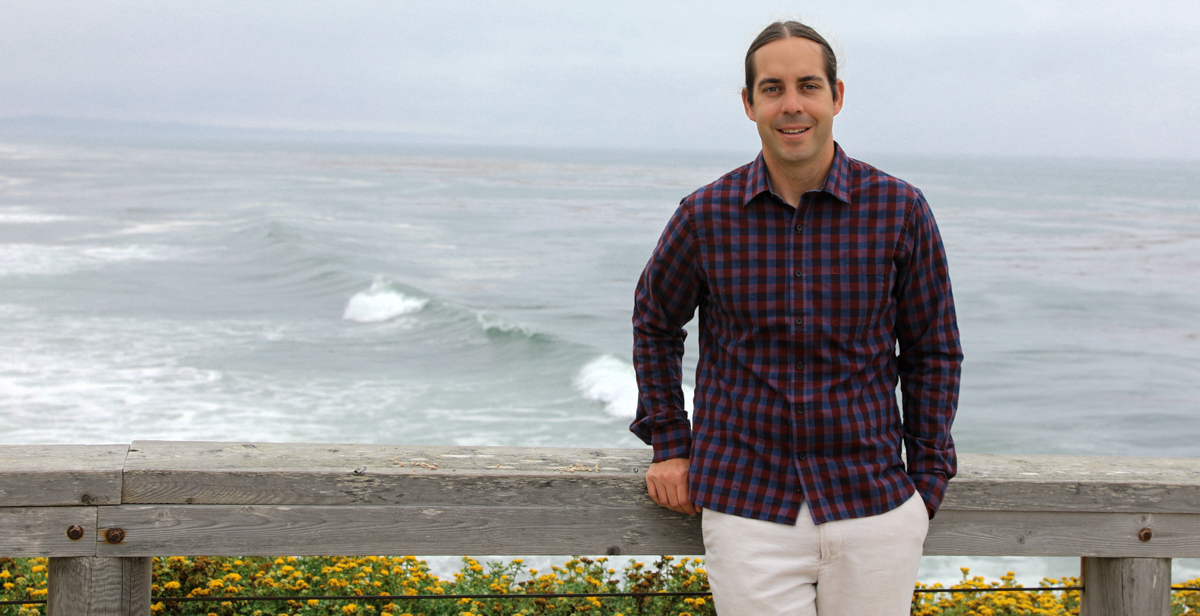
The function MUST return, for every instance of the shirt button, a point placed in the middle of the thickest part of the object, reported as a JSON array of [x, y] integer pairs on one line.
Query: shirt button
[[803, 456], [799, 274], [799, 365], [799, 228], [800, 409], [799, 320]]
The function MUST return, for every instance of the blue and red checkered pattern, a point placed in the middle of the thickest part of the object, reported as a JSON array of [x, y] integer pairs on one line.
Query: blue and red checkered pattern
[[808, 319]]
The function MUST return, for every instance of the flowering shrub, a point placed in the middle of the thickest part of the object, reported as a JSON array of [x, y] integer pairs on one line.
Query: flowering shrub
[[22, 578], [406, 579], [1011, 603]]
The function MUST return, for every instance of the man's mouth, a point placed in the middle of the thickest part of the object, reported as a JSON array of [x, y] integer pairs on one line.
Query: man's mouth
[[793, 131]]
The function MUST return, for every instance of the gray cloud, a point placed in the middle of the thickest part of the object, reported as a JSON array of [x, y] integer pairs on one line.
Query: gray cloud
[[1023, 78]]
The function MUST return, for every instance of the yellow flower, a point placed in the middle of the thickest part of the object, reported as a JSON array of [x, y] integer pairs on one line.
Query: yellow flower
[[349, 608]]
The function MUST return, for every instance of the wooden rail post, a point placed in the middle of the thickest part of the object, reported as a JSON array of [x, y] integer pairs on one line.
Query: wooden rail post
[[1126, 587], [87, 586]]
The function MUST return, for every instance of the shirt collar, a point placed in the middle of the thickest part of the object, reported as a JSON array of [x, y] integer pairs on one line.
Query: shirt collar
[[837, 184]]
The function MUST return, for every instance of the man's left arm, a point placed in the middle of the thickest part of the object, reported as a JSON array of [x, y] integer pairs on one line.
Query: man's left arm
[[930, 354]]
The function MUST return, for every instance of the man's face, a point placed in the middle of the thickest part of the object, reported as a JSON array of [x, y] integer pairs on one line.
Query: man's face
[[794, 103]]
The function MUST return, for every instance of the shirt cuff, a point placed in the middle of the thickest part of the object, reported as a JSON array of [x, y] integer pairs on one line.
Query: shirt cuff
[[932, 488], [672, 441]]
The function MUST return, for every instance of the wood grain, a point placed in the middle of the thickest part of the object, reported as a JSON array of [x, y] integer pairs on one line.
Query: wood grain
[[42, 531], [1035, 533], [58, 475], [306, 474], [1075, 483], [1123, 586], [298, 474], [225, 530], [99, 587]]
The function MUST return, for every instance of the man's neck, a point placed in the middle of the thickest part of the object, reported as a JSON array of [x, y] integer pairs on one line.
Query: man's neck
[[791, 181]]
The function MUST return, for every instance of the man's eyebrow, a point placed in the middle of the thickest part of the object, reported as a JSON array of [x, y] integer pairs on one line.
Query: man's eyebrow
[[774, 81]]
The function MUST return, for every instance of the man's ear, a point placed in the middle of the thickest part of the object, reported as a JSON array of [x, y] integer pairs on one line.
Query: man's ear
[[746, 103], [840, 89]]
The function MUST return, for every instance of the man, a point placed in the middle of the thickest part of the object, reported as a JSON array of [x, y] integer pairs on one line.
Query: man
[[808, 269]]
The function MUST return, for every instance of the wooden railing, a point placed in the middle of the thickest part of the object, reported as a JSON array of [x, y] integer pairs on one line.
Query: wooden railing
[[99, 512]]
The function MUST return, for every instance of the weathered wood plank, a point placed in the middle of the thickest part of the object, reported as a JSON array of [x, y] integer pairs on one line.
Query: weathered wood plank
[[1075, 483], [226, 530], [307, 474], [300, 474], [980, 533], [1126, 586], [267, 530], [99, 587], [42, 531], [57, 475]]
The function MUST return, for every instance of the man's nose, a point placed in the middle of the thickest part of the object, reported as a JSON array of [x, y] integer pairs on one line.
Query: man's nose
[[792, 101]]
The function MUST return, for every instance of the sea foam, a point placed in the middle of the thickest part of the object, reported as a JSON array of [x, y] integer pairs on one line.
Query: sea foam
[[380, 303], [613, 382], [39, 259]]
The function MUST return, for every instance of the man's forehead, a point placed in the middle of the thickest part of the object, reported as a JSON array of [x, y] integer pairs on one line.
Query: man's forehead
[[791, 59]]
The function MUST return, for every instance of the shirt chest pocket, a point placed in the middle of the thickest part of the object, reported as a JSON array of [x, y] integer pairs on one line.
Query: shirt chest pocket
[[853, 298]]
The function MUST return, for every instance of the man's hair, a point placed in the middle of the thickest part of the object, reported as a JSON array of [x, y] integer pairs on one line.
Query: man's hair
[[790, 29]]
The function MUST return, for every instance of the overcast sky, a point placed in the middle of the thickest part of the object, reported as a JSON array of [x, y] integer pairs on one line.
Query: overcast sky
[[1064, 78]]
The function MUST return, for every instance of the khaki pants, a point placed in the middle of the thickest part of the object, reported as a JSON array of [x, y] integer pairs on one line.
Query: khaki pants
[[859, 567]]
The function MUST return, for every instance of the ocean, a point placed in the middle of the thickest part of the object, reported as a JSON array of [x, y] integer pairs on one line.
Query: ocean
[[368, 293]]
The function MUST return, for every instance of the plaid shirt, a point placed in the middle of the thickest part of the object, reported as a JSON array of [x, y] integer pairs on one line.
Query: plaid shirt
[[800, 314]]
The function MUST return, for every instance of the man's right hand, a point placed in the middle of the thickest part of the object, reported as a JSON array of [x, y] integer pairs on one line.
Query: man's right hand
[[667, 482]]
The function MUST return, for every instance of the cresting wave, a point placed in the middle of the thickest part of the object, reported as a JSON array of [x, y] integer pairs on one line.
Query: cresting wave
[[382, 302], [613, 382]]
